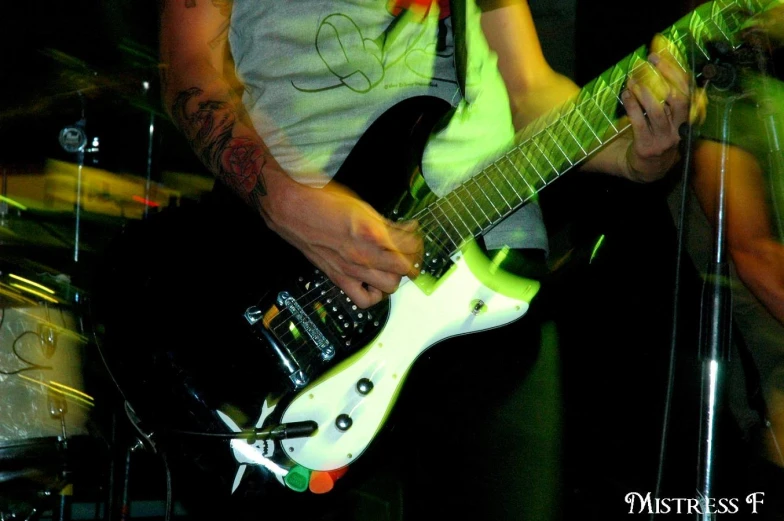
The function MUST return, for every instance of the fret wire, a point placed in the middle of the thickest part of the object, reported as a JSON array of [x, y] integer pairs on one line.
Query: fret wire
[[545, 156], [558, 145], [431, 233], [522, 172], [468, 210], [597, 107], [603, 114], [437, 206], [436, 238], [489, 220], [446, 204], [496, 187], [617, 99], [574, 136], [468, 229], [580, 113], [446, 233], [524, 156], [518, 175], [514, 196], [718, 27], [436, 246], [476, 179], [585, 104]]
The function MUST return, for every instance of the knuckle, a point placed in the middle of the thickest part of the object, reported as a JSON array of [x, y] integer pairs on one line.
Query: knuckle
[[389, 283]]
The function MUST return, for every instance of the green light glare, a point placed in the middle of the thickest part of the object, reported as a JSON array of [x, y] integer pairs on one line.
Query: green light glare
[[294, 331], [596, 248]]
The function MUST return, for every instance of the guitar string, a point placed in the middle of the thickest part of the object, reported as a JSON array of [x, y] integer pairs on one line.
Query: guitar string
[[442, 201], [319, 292], [441, 205]]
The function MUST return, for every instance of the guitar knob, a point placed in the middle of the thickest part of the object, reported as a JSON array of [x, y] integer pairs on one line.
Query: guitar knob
[[364, 386], [344, 422]]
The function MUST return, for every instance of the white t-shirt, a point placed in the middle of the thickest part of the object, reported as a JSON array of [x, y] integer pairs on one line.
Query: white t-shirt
[[318, 73]]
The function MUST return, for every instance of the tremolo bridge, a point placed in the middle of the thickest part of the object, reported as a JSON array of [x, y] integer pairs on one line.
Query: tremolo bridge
[[310, 327]]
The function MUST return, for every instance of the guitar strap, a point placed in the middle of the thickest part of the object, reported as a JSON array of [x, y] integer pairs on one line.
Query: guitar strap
[[457, 9]]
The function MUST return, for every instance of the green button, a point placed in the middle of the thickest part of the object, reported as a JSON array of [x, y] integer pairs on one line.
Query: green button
[[298, 478]]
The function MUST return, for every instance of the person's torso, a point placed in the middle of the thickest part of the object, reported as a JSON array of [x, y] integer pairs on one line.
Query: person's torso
[[318, 73]]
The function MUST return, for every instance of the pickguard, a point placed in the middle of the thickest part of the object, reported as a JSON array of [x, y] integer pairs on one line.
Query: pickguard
[[461, 304]]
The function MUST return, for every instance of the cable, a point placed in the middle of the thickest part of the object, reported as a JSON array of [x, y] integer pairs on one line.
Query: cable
[[769, 425], [134, 420], [281, 431], [169, 507], [688, 140], [32, 366], [100, 353]]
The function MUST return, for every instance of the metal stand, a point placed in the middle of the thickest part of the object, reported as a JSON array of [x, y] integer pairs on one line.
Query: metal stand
[[715, 331]]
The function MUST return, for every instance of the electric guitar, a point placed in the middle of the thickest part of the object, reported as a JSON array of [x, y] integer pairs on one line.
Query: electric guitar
[[298, 381]]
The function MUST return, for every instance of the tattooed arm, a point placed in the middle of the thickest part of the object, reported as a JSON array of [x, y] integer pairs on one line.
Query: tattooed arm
[[361, 252], [202, 103]]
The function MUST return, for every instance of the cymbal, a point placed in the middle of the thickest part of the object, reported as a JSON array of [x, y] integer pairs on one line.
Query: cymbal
[[16, 230], [62, 81], [34, 275]]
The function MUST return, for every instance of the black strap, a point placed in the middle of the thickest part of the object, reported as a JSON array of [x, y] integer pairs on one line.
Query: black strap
[[458, 13]]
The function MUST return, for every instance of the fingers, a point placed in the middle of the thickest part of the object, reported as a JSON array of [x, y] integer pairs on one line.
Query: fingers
[[659, 100], [387, 246], [377, 260], [649, 112], [634, 111], [363, 295], [663, 47], [404, 237], [676, 76]]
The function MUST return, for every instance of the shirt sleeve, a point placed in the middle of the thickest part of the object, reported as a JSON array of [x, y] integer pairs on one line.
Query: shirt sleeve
[[489, 5]]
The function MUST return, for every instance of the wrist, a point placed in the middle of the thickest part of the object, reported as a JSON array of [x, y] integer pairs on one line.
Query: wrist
[[628, 169]]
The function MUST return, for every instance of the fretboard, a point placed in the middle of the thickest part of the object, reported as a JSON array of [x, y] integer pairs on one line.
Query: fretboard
[[557, 142]]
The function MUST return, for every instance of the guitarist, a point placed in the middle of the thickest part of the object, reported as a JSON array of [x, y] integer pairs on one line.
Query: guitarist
[[273, 95]]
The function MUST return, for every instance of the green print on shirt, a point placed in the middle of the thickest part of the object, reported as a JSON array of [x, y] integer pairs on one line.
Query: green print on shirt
[[360, 63]]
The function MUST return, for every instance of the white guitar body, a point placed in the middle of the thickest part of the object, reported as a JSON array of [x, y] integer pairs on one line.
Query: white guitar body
[[460, 304]]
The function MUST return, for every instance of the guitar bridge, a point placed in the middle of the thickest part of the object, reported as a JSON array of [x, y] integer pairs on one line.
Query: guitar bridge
[[286, 361], [281, 348], [285, 300]]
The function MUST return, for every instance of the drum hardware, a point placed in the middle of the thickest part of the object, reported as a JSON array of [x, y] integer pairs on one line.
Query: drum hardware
[[58, 407], [4, 198], [74, 140]]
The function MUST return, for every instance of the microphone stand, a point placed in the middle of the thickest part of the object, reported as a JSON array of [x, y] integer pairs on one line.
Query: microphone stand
[[150, 153], [714, 333], [716, 327]]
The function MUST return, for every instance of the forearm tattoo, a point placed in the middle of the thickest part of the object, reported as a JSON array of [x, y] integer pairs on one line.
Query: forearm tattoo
[[208, 126]]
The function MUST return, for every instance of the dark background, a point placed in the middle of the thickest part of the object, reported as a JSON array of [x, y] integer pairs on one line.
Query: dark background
[[614, 314]]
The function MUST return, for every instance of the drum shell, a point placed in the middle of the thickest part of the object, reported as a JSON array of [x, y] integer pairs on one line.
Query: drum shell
[[48, 398]]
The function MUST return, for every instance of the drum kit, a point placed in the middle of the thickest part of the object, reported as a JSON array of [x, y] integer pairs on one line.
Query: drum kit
[[46, 404], [57, 428]]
